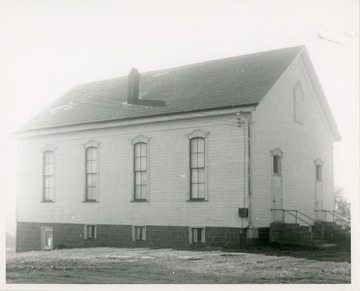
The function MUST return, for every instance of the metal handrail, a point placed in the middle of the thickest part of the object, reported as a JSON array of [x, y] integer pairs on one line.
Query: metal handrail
[[340, 216], [335, 214], [296, 218]]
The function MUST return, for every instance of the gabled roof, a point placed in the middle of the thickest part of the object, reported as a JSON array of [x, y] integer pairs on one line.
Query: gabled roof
[[224, 83]]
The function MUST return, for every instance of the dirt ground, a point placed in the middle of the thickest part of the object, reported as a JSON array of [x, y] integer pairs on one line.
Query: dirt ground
[[117, 266]]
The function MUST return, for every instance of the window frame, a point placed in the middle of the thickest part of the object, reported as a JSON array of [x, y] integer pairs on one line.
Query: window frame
[[142, 233], [140, 139], [86, 231], [277, 161], [318, 170], [48, 149], [202, 235], [92, 145], [198, 134], [298, 103]]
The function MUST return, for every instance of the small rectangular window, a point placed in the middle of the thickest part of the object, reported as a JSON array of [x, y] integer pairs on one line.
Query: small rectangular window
[[90, 232], [197, 235], [139, 233]]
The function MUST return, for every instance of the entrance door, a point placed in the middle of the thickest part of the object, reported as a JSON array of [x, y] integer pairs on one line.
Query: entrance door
[[277, 203], [276, 186], [46, 238], [319, 215]]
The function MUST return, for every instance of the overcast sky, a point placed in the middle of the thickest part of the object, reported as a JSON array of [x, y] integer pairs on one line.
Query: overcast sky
[[50, 46]]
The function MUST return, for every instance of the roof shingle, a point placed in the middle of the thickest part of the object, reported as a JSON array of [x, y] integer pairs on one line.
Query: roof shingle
[[229, 82]]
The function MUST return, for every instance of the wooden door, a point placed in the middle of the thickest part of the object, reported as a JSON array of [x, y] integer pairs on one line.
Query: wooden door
[[319, 215], [46, 238], [277, 198]]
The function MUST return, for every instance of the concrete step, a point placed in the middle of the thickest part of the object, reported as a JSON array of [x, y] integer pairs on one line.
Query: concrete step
[[318, 243], [326, 245], [291, 225]]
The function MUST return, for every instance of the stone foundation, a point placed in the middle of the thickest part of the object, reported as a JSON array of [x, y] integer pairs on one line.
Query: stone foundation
[[28, 236]]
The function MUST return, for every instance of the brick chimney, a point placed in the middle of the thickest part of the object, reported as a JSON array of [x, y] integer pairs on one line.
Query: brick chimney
[[133, 87], [133, 92]]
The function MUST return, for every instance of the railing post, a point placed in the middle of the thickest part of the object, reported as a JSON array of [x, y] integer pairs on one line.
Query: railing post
[[283, 218], [296, 216], [322, 232], [324, 215]]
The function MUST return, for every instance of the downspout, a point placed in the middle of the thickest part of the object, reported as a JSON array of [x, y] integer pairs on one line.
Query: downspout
[[249, 169], [245, 122]]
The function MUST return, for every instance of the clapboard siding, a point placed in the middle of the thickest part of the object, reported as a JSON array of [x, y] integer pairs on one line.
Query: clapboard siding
[[274, 126], [169, 176]]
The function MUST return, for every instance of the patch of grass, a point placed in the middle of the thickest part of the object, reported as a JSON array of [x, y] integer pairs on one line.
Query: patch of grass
[[118, 266]]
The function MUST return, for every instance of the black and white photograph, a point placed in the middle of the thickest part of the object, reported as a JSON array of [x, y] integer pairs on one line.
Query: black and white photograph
[[178, 143]]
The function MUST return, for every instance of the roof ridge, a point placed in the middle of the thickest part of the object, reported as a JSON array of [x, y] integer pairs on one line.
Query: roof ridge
[[230, 81], [223, 59], [193, 65]]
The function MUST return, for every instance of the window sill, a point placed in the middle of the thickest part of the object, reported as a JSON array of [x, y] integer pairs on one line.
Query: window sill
[[197, 200], [140, 200], [48, 201], [90, 201]]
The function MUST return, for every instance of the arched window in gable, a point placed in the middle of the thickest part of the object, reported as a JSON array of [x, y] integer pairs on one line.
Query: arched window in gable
[[298, 103]]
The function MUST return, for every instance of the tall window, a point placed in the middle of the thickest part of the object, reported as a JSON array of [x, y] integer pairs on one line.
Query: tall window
[[277, 155], [298, 103], [197, 168], [318, 170], [48, 191], [140, 170], [91, 174]]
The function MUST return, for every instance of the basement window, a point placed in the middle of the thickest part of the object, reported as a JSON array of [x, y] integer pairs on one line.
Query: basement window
[[90, 232], [197, 236], [139, 233]]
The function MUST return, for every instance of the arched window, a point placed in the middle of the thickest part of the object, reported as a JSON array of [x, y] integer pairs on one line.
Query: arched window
[[198, 189], [277, 165], [48, 178], [277, 155], [298, 103], [140, 170], [318, 170], [92, 171]]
